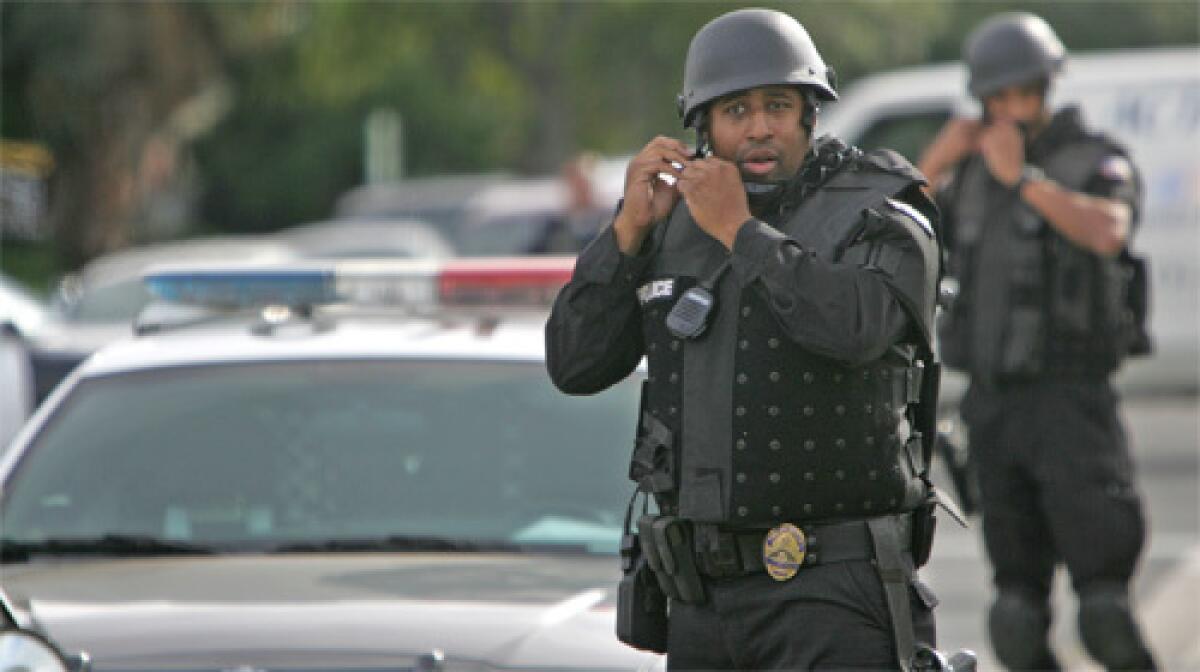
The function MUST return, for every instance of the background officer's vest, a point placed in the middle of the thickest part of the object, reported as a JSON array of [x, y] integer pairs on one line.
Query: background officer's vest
[[811, 437], [1031, 303]]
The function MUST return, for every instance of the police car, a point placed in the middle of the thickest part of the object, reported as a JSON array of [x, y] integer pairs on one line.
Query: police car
[[325, 467]]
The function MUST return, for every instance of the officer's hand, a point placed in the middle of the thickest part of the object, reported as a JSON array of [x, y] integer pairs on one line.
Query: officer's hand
[[958, 138], [715, 196], [1003, 149], [648, 199]]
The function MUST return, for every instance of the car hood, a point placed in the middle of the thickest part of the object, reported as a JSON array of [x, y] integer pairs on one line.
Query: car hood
[[325, 611]]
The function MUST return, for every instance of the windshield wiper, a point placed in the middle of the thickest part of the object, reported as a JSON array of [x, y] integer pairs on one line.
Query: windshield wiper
[[115, 545], [424, 544]]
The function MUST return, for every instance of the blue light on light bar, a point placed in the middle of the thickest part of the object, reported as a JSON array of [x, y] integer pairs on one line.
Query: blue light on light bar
[[244, 287]]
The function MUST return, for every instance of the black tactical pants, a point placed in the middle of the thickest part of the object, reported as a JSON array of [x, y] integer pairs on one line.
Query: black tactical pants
[[1056, 485], [827, 617], [1056, 482]]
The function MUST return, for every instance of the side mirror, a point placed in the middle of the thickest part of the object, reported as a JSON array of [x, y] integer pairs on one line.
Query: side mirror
[[68, 294], [23, 650]]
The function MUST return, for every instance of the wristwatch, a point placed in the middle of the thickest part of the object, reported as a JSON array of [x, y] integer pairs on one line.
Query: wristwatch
[[1029, 173]]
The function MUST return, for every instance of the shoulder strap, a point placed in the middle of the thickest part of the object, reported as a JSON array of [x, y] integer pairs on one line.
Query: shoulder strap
[[830, 214]]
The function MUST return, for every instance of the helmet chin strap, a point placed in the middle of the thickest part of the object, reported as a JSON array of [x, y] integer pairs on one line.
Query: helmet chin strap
[[755, 189], [764, 197], [768, 198]]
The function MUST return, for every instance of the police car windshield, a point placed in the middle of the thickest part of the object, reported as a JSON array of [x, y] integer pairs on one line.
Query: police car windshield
[[310, 452]]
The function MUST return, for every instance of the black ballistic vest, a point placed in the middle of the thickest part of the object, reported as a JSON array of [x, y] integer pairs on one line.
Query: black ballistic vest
[[1030, 303], [793, 436]]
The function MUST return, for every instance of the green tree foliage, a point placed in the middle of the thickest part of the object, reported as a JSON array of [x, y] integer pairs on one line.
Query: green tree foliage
[[102, 84], [1083, 26], [294, 139], [481, 86]]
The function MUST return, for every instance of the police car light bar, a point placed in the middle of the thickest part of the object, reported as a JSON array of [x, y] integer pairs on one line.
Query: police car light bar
[[415, 284], [533, 281], [241, 287]]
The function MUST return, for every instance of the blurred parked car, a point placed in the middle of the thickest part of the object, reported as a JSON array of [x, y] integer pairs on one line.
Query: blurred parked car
[[296, 484], [484, 215], [440, 200], [367, 238], [513, 217], [97, 305]]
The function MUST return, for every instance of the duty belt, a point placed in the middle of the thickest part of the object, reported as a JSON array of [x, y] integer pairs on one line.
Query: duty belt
[[723, 553]]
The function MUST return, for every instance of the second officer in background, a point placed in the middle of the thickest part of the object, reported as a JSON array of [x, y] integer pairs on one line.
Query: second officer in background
[[783, 293], [1038, 213]]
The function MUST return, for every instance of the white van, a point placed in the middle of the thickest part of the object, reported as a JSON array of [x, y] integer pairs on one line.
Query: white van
[[1149, 100]]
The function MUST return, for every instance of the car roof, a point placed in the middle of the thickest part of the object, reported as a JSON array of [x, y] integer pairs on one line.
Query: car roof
[[1109, 66], [336, 335]]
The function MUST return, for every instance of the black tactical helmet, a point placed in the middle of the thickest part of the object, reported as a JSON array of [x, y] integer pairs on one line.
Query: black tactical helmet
[[748, 48], [1012, 48]]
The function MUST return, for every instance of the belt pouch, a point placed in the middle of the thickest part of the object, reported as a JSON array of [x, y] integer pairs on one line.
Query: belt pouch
[[673, 541], [641, 604], [923, 525]]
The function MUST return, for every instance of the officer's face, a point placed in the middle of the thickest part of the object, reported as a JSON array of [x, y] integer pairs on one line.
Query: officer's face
[[1018, 104], [760, 130]]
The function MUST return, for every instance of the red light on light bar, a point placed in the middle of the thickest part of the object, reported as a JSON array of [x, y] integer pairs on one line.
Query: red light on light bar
[[503, 281]]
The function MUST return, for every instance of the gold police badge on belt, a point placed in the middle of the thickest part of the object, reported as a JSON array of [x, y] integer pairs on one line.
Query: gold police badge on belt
[[783, 551]]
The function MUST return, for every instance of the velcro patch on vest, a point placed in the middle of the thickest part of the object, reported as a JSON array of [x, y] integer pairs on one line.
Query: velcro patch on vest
[[1116, 168], [913, 214], [656, 289]]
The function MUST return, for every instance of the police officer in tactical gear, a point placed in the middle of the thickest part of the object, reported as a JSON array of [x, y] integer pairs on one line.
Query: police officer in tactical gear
[[1037, 215], [782, 291]]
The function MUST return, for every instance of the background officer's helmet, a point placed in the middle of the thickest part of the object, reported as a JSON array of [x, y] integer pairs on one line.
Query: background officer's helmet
[[1010, 49], [749, 48]]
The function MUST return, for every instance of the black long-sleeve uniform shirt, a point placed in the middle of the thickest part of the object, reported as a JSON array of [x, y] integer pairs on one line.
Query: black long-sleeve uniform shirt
[[847, 310], [846, 275]]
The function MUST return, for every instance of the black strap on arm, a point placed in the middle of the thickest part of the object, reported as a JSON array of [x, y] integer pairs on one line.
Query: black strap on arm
[[926, 384], [924, 421]]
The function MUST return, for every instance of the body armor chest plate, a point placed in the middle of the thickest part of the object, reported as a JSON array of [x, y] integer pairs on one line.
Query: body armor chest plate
[[813, 439], [808, 438], [1030, 303]]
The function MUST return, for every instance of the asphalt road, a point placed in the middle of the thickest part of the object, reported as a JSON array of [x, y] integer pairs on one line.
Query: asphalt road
[[1165, 435]]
